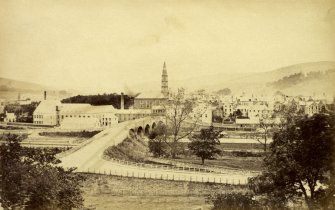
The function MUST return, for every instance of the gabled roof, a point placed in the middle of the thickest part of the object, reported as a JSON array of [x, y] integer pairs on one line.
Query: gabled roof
[[47, 107], [151, 95]]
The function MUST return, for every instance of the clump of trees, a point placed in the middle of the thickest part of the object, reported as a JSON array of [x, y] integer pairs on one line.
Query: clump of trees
[[300, 163], [105, 99], [205, 145], [31, 179], [24, 113], [299, 167]]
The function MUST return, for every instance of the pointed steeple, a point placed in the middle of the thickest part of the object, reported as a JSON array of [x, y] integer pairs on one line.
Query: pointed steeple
[[164, 87]]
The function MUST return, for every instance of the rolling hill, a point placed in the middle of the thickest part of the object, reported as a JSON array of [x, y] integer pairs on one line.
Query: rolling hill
[[10, 89], [257, 82]]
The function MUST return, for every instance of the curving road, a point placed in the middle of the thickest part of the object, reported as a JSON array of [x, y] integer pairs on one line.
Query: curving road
[[89, 158]]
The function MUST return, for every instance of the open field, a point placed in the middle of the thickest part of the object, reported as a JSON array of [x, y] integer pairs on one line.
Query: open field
[[111, 192]]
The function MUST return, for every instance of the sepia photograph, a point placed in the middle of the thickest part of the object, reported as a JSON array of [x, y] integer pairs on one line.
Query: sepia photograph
[[167, 105]]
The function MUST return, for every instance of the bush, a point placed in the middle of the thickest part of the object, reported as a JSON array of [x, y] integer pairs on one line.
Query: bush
[[234, 200], [246, 154], [80, 134]]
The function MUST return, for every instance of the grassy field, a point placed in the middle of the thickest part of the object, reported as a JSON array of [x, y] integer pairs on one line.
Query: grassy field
[[111, 192], [234, 156]]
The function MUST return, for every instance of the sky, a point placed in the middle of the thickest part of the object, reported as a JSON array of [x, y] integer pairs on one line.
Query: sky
[[110, 45]]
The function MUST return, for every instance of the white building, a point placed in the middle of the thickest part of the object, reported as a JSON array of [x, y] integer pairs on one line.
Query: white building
[[10, 117], [83, 116]]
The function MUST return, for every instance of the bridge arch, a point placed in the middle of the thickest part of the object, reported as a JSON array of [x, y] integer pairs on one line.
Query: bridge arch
[[139, 131], [153, 126], [147, 130]]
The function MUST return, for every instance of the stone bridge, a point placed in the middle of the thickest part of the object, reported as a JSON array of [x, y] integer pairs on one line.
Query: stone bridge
[[143, 126]]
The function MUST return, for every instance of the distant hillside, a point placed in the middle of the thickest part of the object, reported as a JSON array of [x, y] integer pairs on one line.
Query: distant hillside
[[308, 83], [10, 89], [15, 85], [256, 82]]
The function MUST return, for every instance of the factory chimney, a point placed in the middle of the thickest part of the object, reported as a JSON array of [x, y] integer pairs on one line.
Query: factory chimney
[[122, 101], [45, 95]]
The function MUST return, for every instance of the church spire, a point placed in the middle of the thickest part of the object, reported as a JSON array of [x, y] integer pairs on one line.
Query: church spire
[[164, 87]]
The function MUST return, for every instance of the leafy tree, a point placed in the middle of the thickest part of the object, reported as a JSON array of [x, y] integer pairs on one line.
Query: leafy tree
[[300, 163], [181, 120], [30, 179], [157, 140], [205, 144], [233, 200]]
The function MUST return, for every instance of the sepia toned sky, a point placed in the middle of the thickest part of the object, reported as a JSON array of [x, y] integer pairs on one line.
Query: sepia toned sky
[[108, 45]]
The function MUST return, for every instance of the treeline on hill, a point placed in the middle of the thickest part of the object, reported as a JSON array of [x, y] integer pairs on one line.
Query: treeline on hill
[[105, 99], [297, 78]]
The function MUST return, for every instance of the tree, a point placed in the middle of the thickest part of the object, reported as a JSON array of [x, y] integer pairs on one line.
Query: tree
[[265, 125], [181, 120], [205, 144], [29, 178], [238, 113], [157, 140], [300, 163]]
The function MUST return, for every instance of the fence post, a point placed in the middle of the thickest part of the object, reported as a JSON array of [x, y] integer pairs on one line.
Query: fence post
[[202, 179], [110, 171], [173, 177], [220, 179], [133, 173], [214, 179]]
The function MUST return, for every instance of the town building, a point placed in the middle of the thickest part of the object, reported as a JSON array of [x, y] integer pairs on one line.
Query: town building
[[148, 100], [10, 117]]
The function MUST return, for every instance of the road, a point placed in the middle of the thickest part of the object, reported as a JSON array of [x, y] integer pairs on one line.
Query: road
[[89, 158]]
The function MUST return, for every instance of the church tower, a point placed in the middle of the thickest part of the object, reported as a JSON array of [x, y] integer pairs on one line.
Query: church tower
[[165, 87]]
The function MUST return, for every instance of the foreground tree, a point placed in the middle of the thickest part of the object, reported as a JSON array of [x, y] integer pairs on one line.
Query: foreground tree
[[300, 163], [204, 145], [29, 178]]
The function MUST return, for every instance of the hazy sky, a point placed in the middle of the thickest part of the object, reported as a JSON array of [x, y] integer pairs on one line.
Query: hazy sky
[[106, 45]]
